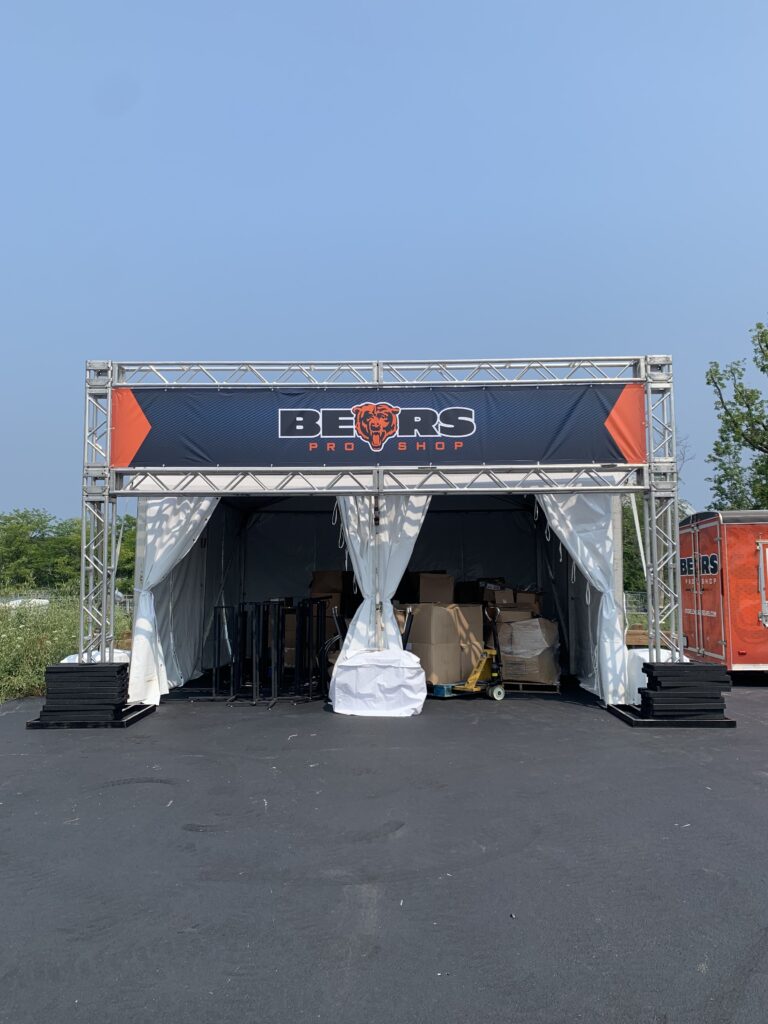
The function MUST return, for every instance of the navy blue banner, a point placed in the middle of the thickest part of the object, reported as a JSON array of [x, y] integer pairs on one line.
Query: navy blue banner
[[260, 427]]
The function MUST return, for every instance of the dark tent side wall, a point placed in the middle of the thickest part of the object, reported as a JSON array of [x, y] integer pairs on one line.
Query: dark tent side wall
[[254, 549], [474, 538]]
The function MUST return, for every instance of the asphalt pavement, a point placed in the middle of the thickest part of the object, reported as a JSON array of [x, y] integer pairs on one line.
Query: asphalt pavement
[[534, 861]]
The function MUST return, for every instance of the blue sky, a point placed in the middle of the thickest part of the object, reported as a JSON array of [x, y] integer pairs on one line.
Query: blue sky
[[336, 179]]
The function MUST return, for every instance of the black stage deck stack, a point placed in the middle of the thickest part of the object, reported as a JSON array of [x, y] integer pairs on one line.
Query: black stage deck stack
[[684, 692], [88, 696]]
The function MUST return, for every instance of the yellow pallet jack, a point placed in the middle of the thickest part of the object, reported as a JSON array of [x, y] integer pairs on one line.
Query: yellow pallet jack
[[485, 677]]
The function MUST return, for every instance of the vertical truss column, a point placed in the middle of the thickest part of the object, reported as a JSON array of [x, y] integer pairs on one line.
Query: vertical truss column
[[661, 513], [97, 568]]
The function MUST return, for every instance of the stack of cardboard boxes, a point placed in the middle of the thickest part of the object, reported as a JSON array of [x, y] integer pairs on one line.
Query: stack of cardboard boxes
[[529, 651], [528, 646], [447, 639]]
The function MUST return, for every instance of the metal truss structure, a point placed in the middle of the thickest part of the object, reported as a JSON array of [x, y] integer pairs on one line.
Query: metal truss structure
[[656, 479], [99, 521], [396, 372]]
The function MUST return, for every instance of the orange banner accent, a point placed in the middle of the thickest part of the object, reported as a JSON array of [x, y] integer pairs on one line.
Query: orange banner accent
[[129, 427], [626, 423]]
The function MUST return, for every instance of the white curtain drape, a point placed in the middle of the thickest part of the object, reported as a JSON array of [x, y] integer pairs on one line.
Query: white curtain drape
[[180, 613], [167, 530], [373, 675], [379, 559], [584, 525]]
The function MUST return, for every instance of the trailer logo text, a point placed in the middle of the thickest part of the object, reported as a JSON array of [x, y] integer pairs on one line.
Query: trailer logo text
[[708, 565], [376, 423]]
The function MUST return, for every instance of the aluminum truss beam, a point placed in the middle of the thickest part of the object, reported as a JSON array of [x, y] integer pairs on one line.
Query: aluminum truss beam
[[403, 480], [98, 544], [662, 537], [382, 373]]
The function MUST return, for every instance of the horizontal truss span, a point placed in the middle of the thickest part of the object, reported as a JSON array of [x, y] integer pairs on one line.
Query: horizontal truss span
[[548, 371], [400, 480]]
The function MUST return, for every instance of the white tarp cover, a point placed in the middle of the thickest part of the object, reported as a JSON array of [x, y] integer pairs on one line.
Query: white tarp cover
[[379, 684], [118, 657], [168, 528], [584, 525], [380, 555]]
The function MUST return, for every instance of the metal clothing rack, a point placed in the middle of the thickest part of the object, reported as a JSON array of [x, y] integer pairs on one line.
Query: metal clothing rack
[[249, 659]]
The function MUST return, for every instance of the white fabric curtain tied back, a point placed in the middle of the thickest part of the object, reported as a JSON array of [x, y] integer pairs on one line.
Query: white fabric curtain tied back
[[380, 553], [400, 520]]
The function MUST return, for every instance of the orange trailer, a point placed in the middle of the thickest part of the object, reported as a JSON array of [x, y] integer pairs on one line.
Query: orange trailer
[[724, 578]]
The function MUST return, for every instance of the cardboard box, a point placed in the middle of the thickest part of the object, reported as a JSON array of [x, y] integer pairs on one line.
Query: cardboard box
[[506, 615], [527, 638], [441, 662], [514, 599], [506, 639], [469, 622], [543, 668], [446, 623], [337, 587], [433, 624], [532, 636], [499, 597], [435, 587], [327, 581]]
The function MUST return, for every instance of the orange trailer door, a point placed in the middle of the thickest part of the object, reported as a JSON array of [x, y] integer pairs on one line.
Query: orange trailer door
[[690, 596], [710, 590], [747, 554]]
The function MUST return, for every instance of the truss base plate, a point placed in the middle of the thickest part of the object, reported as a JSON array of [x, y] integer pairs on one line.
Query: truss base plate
[[131, 714], [631, 716]]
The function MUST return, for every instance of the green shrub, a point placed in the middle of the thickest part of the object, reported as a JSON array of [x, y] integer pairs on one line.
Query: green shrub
[[32, 638]]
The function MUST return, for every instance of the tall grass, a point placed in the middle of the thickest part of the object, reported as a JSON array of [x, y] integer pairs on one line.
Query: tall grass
[[32, 638]]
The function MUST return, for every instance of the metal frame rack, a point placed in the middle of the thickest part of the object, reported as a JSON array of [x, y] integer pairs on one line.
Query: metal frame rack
[[655, 479], [250, 646]]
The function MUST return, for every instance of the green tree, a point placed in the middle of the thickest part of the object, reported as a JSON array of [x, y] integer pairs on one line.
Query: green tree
[[740, 452], [126, 530], [40, 552], [37, 550], [634, 577]]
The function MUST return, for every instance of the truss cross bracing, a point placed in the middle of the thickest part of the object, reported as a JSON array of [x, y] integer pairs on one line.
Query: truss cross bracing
[[655, 478]]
